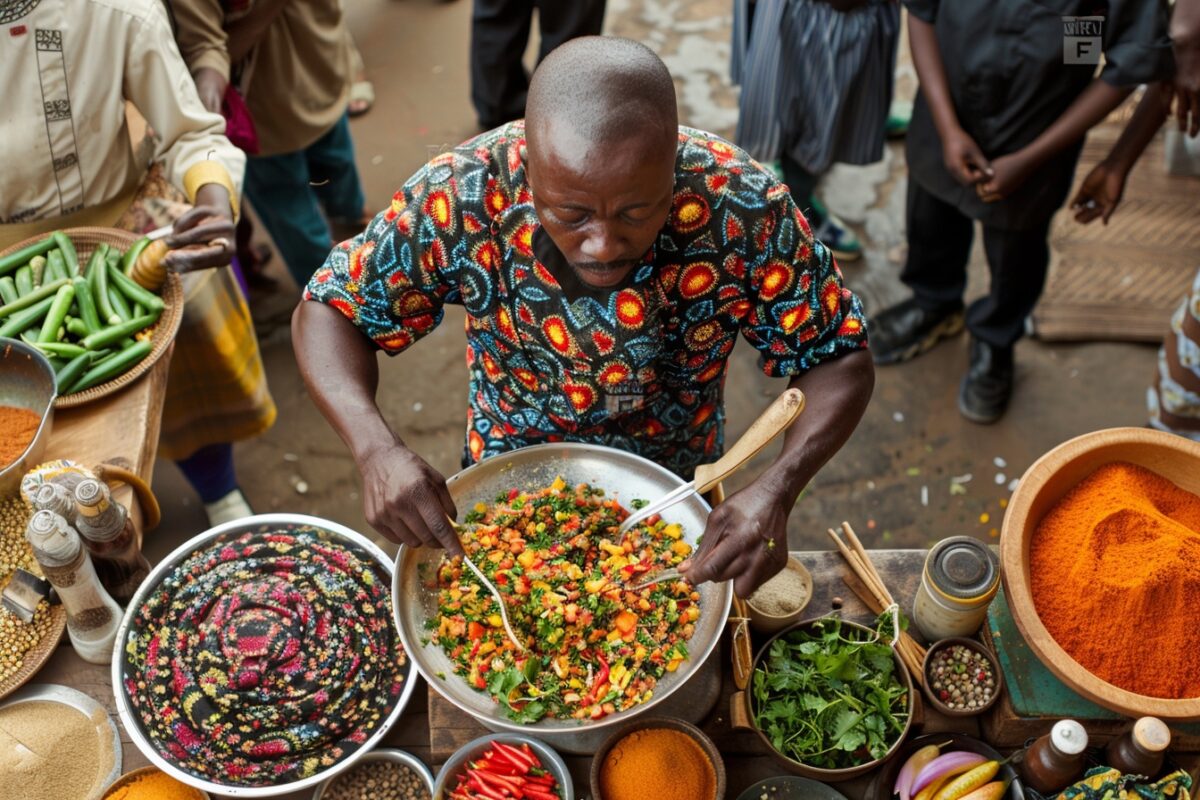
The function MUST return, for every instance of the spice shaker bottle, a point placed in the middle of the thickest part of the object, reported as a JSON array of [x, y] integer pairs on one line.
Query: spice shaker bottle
[[92, 615], [960, 578], [54, 497], [1141, 749], [1055, 760], [111, 540]]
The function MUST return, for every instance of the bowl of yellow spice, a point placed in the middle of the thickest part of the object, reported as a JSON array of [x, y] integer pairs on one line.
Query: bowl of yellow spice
[[667, 759], [151, 783]]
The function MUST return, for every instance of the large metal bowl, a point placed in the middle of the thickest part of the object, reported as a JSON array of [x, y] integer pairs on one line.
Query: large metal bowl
[[230, 530], [622, 475], [26, 381]]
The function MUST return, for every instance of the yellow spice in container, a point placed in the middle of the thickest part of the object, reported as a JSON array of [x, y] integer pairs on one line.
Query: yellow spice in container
[[154, 785]]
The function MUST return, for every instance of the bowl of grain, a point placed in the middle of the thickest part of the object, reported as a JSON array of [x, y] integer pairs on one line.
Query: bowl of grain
[[383, 774], [780, 601]]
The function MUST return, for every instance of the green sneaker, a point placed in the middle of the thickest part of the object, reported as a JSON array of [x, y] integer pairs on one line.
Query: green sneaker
[[834, 233], [899, 115]]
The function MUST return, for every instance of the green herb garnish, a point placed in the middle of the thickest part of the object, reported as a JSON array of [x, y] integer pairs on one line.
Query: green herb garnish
[[829, 697]]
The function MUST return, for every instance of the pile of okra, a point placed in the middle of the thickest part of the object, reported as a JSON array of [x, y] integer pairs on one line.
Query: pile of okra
[[91, 321]]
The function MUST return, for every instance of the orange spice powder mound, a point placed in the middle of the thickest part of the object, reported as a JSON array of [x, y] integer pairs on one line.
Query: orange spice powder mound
[[1115, 568], [659, 763]]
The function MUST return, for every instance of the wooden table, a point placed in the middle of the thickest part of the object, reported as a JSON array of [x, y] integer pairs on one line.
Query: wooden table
[[431, 728]]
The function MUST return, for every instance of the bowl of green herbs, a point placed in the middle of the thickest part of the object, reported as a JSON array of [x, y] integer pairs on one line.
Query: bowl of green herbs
[[829, 698]]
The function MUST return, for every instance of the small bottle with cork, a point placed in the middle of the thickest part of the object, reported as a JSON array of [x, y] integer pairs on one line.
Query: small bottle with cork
[[1056, 760], [1141, 749], [55, 497], [92, 615], [111, 540]]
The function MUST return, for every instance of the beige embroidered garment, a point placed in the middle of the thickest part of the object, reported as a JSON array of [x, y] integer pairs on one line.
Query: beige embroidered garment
[[67, 68]]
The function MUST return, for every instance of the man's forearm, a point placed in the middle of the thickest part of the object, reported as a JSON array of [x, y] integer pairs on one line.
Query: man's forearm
[[1185, 23], [932, 74], [1096, 102], [339, 368], [836, 395], [1151, 112]]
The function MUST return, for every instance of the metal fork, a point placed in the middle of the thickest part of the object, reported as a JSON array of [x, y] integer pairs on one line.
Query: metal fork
[[491, 588]]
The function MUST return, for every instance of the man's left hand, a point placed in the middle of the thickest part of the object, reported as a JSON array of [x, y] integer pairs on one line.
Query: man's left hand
[[745, 540], [1010, 173], [206, 231]]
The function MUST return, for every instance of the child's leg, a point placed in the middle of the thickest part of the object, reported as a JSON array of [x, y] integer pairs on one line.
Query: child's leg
[[335, 177], [939, 246], [278, 186], [1017, 263], [210, 471]]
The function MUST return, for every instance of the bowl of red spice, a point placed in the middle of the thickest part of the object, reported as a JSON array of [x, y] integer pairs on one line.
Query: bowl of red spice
[[1098, 558], [667, 759], [27, 392], [962, 677]]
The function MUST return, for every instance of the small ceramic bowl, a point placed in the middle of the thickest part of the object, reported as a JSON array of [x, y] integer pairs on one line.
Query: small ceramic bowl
[[971, 644], [706, 744], [447, 779], [382, 754], [763, 622], [130, 777]]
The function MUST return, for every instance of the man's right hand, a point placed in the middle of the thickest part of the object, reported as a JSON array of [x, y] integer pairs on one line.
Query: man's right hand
[[211, 86], [406, 499], [964, 160], [1099, 193]]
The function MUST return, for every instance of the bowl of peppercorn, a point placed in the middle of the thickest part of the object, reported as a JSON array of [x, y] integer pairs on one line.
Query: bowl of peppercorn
[[382, 774], [962, 677]]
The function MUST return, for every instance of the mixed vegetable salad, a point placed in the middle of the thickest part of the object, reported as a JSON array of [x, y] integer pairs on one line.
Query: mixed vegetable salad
[[593, 645]]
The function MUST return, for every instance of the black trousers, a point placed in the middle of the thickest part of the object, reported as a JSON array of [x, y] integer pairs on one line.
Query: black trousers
[[499, 35], [939, 247]]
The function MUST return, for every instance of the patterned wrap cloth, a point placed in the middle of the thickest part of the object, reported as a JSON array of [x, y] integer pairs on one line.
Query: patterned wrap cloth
[[265, 658], [1103, 783]]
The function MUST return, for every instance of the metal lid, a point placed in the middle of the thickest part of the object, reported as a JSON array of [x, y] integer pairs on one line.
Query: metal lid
[[1068, 737], [52, 538], [963, 568], [1152, 734]]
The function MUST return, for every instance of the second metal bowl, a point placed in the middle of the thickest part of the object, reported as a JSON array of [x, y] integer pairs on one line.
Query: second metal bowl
[[26, 381], [551, 761]]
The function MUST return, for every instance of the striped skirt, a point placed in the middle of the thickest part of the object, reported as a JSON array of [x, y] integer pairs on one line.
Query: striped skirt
[[816, 83]]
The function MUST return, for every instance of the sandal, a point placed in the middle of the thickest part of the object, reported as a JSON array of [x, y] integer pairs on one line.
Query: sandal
[[362, 98]]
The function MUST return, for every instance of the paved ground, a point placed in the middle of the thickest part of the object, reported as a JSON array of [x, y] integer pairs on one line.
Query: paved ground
[[893, 481]]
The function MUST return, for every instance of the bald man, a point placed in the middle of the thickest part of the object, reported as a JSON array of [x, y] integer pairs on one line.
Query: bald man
[[607, 258]]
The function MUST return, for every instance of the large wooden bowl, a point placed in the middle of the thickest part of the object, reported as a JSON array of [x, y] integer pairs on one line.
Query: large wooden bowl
[[1045, 483]]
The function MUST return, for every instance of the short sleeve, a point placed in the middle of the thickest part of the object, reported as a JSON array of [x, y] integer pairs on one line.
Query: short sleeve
[[1137, 48], [924, 10], [801, 313], [393, 279]]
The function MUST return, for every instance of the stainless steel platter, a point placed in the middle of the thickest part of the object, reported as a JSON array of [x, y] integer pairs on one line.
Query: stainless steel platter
[[622, 475], [230, 530]]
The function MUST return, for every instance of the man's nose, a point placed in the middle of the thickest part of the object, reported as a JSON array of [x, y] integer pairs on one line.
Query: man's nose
[[602, 244]]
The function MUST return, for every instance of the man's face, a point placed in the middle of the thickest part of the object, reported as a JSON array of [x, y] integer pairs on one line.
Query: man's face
[[602, 205]]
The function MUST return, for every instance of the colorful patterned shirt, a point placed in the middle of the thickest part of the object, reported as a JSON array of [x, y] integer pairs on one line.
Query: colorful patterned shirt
[[641, 368]]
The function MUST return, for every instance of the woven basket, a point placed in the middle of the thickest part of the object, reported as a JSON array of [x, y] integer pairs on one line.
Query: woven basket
[[86, 240], [37, 656]]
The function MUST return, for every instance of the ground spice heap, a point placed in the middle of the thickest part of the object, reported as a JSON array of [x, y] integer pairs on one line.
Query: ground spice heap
[[18, 426], [782, 594], [154, 786], [1115, 568], [661, 763], [51, 751], [378, 780]]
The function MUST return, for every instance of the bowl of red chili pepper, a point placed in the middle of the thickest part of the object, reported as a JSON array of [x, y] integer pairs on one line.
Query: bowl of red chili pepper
[[504, 765]]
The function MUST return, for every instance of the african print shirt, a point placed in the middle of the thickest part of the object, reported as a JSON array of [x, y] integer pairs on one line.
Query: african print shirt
[[641, 368]]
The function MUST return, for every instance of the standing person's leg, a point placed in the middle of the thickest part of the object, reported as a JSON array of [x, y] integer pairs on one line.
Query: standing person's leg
[[939, 246], [800, 183], [1017, 264], [499, 35], [560, 22], [335, 180], [278, 186]]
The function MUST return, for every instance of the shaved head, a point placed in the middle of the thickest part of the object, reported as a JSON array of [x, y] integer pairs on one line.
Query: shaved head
[[601, 90], [601, 131]]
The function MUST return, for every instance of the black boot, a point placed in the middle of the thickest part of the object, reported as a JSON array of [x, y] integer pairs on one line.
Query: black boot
[[906, 330], [988, 384]]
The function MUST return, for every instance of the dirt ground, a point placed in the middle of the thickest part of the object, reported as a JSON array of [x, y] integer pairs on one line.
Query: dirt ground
[[896, 479]]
